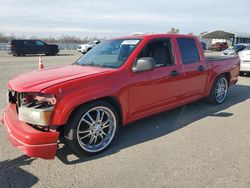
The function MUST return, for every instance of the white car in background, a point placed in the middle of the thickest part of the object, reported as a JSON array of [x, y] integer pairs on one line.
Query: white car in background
[[245, 60], [235, 49], [84, 48]]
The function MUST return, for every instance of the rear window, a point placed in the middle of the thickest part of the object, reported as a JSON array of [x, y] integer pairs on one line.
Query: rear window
[[188, 49], [16, 42], [30, 42]]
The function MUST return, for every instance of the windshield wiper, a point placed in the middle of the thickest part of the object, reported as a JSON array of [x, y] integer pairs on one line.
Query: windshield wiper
[[108, 66], [91, 63]]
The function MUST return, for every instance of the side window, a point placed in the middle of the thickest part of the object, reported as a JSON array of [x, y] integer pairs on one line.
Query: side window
[[30, 42], [160, 50], [188, 49], [17, 42], [39, 43]]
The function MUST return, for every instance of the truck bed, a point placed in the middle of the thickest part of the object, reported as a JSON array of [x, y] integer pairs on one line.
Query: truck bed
[[210, 57]]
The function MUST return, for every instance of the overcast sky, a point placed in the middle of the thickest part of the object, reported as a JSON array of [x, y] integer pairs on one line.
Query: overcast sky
[[121, 17]]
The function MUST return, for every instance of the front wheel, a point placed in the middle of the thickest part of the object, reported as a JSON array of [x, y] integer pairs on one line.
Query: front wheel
[[51, 53], [219, 90], [92, 127], [242, 73]]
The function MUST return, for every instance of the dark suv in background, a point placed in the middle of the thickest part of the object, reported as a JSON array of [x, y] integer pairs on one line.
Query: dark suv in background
[[23, 47]]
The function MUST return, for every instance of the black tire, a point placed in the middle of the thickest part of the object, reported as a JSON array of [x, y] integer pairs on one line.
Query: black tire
[[75, 123], [20, 53], [48, 53], [212, 98], [51, 53], [242, 73]]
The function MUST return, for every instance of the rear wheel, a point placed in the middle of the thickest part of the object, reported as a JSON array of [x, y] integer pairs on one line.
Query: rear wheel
[[219, 90], [242, 73], [92, 127], [50, 53], [20, 53]]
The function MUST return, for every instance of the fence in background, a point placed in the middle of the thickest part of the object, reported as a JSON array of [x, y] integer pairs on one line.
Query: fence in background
[[62, 46], [3, 46]]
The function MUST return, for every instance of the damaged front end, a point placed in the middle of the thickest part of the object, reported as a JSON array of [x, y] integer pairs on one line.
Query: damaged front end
[[35, 108], [27, 118]]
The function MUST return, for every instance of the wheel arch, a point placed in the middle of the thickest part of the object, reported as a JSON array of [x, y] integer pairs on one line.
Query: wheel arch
[[109, 99], [226, 74], [210, 85], [228, 77]]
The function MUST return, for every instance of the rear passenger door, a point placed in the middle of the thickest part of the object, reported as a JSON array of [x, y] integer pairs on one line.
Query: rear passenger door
[[194, 68], [30, 47]]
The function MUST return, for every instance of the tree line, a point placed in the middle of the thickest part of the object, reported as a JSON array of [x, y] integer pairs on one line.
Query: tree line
[[62, 39], [65, 38]]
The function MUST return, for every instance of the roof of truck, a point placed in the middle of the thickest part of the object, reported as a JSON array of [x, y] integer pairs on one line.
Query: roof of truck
[[150, 35]]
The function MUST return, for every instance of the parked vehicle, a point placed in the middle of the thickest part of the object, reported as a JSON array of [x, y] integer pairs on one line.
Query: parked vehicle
[[219, 46], [235, 49], [117, 82], [204, 45], [245, 60], [30, 46], [84, 48]]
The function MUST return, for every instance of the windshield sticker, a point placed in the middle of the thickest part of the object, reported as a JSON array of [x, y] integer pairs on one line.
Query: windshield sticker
[[130, 42]]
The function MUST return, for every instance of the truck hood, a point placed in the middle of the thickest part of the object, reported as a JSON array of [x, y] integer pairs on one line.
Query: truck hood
[[38, 80]]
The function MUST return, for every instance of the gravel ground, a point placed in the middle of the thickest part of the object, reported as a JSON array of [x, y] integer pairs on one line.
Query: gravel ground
[[197, 145]]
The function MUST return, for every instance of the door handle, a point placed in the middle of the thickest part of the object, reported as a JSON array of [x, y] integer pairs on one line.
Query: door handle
[[201, 68], [174, 73]]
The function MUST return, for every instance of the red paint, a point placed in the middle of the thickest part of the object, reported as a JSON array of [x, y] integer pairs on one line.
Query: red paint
[[32, 142], [138, 94]]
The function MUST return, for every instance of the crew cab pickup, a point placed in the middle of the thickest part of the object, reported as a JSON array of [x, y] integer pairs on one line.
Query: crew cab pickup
[[119, 81]]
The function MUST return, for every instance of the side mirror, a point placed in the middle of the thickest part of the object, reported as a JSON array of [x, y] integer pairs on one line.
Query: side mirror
[[144, 64]]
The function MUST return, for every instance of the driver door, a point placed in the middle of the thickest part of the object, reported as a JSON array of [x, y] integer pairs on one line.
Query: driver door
[[158, 89]]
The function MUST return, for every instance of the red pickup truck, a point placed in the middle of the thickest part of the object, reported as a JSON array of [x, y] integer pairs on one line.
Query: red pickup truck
[[117, 82]]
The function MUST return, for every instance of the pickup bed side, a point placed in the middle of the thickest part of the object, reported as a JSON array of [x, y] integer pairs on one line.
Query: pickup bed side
[[217, 66]]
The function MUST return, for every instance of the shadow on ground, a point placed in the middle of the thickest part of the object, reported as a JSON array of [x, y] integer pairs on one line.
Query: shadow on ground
[[11, 175], [161, 124]]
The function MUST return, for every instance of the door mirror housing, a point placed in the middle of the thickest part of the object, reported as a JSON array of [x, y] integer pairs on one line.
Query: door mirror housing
[[144, 64]]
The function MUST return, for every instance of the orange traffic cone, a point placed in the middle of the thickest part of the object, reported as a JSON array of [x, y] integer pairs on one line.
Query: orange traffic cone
[[40, 63]]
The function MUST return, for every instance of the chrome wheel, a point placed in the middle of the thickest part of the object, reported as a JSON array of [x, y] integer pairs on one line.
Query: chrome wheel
[[96, 129], [221, 90]]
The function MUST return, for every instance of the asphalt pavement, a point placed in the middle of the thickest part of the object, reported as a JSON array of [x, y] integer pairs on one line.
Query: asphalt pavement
[[197, 145]]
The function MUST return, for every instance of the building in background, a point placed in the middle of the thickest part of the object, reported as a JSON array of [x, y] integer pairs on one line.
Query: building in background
[[224, 36]]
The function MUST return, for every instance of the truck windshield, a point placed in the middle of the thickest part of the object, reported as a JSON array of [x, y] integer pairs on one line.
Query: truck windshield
[[110, 53]]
